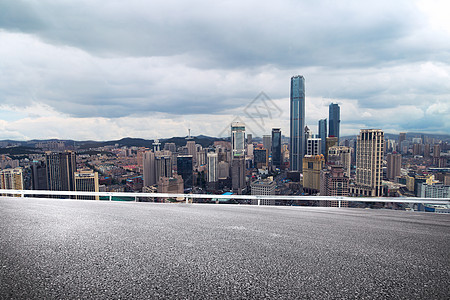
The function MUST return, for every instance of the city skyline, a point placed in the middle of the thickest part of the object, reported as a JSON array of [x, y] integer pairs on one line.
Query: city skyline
[[148, 70]]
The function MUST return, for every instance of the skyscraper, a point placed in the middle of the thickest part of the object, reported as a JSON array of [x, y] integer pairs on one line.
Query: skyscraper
[[149, 168], [276, 147], [369, 163], [334, 118], [185, 169], [394, 163], [238, 138], [267, 143], [323, 135], [297, 122], [213, 169], [61, 167]]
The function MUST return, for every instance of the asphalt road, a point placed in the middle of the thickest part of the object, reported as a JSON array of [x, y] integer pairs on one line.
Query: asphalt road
[[86, 249]]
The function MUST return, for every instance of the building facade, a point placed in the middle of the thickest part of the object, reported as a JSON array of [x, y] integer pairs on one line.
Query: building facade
[[238, 138], [334, 120], [276, 148], [297, 123], [323, 135], [369, 163], [61, 167], [86, 181]]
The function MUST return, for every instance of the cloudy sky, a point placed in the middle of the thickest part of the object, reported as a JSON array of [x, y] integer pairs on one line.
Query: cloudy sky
[[102, 70]]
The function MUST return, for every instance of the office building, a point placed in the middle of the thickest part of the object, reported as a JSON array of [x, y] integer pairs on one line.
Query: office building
[[39, 176], [267, 142], [331, 141], [61, 167], [238, 174], [261, 157], [149, 174], [276, 148], [238, 138], [86, 181], [369, 163], [213, 167], [163, 166], [297, 123], [401, 138], [185, 170], [340, 156], [11, 179], [334, 120], [394, 164], [312, 165], [313, 146], [323, 135]]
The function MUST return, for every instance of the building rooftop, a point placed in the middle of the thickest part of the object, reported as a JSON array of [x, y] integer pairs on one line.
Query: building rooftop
[[53, 248]]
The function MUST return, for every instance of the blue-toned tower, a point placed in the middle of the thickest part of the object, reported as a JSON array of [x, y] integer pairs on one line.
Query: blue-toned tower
[[334, 119], [297, 135]]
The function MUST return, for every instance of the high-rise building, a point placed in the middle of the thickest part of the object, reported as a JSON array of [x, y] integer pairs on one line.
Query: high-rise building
[[297, 123], [86, 181], [401, 138], [313, 146], [323, 135], [276, 148], [312, 165], [163, 166], [238, 138], [331, 142], [334, 119], [340, 156], [238, 174], [261, 157], [39, 176], [61, 167], [213, 168], [394, 163], [190, 145], [185, 170], [369, 163], [11, 179], [149, 173], [267, 142]]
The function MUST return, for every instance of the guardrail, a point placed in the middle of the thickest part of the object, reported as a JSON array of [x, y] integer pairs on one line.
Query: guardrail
[[187, 197]]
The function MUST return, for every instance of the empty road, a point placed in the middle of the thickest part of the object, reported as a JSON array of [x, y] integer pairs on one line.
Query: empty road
[[109, 250]]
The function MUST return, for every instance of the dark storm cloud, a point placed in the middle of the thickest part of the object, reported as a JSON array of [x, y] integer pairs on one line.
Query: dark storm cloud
[[115, 59]]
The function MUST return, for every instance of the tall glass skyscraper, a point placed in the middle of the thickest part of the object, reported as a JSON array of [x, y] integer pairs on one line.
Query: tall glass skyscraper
[[297, 137], [334, 119], [276, 147], [323, 135], [238, 138]]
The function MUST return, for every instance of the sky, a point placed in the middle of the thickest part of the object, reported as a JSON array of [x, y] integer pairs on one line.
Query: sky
[[103, 70]]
